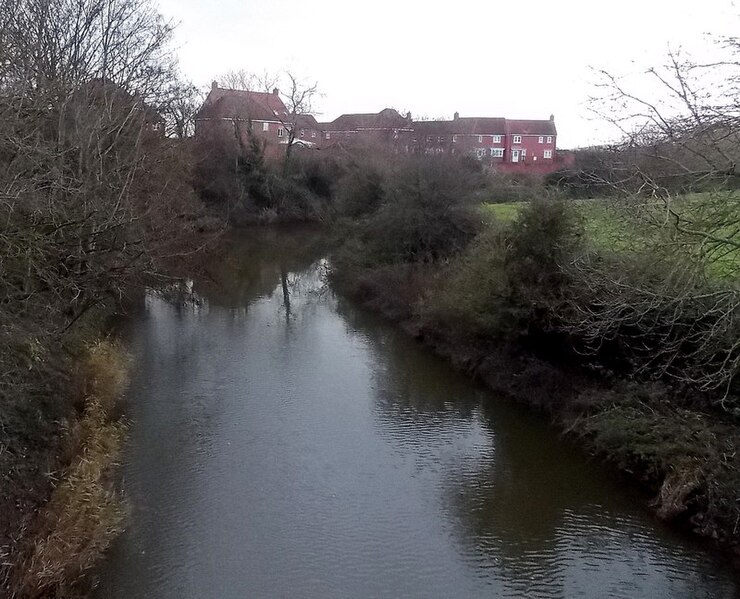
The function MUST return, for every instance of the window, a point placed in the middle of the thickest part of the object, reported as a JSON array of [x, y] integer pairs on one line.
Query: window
[[454, 139], [441, 139], [480, 153], [497, 139], [303, 132], [517, 139], [497, 152], [280, 131], [480, 139], [549, 139], [265, 126], [524, 152], [548, 154], [328, 135], [429, 139], [313, 133], [541, 140]]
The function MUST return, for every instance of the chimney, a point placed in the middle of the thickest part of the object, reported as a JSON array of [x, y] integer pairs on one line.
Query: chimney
[[275, 92], [457, 116], [408, 115], [552, 118], [214, 85]]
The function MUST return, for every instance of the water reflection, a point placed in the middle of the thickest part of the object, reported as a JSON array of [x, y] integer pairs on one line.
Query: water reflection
[[285, 444]]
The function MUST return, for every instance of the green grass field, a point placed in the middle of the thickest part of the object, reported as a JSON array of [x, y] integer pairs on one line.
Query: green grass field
[[638, 225]]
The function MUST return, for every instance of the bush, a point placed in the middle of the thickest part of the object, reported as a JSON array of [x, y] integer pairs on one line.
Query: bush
[[510, 281], [428, 213]]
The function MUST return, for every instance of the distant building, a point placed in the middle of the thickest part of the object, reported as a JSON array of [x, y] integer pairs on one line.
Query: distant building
[[505, 144], [387, 129], [229, 112], [509, 145]]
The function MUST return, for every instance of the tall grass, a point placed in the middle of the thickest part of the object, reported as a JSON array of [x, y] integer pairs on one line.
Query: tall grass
[[84, 513]]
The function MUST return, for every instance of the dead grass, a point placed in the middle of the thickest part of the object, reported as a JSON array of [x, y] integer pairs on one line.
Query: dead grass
[[84, 513]]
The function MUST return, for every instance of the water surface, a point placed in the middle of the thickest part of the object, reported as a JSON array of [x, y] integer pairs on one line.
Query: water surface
[[285, 444]]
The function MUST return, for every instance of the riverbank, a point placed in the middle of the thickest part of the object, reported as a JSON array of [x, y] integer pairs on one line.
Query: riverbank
[[66, 512], [686, 459]]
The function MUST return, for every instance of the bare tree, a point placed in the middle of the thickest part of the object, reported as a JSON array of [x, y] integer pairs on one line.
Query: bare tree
[[669, 293], [92, 194], [298, 98]]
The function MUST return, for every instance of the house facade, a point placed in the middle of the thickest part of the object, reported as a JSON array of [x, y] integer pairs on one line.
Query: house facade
[[509, 145], [263, 116], [387, 129]]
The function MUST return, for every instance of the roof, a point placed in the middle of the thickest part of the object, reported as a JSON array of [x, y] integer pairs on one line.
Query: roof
[[242, 104], [388, 118], [306, 121], [530, 127], [462, 126]]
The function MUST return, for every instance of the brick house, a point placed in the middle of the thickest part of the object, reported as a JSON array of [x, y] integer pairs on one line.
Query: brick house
[[505, 144], [387, 129], [509, 145], [227, 112]]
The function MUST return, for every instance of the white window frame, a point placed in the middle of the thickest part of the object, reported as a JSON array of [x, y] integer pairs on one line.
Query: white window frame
[[313, 133], [497, 152], [480, 153], [496, 139], [454, 139], [549, 139], [541, 139], [523, 153], [516, 139], [303, 133], [280, 132], [480, 139], [265, 126], [328, 135], [547, 154]]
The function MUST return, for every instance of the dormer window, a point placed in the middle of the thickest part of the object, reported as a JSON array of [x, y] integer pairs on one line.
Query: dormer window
[[517, 139]]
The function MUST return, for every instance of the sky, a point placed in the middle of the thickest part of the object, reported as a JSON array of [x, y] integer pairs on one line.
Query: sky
[[516, 59]]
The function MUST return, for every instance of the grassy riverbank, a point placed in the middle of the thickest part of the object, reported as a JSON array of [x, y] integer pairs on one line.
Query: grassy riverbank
[[62, 538], [525, 304]]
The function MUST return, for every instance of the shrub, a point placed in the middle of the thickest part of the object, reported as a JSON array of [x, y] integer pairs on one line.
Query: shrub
[[428, 213]]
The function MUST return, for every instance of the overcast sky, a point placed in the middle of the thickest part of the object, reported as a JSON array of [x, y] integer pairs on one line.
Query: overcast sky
[[518, 59]]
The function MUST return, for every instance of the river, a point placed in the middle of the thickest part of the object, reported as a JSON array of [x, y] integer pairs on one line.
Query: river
[[285, 443]]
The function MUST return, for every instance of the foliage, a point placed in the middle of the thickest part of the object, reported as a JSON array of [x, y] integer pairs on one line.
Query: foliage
[[83, 515], [428, 213]]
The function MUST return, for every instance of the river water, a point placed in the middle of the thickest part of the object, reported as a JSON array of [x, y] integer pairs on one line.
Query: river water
[[286, 444]]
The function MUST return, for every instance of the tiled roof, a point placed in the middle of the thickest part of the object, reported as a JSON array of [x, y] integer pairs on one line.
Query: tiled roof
[[462, 126], [241, 104], [387, 118], [306, 121], [528, 127]]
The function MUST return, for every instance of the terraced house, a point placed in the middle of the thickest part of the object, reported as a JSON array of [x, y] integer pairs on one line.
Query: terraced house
[[511, 145]]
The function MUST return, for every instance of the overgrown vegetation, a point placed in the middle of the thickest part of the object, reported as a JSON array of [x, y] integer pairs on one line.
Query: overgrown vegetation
[[84, 513], [93, 197], [625, 336]]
